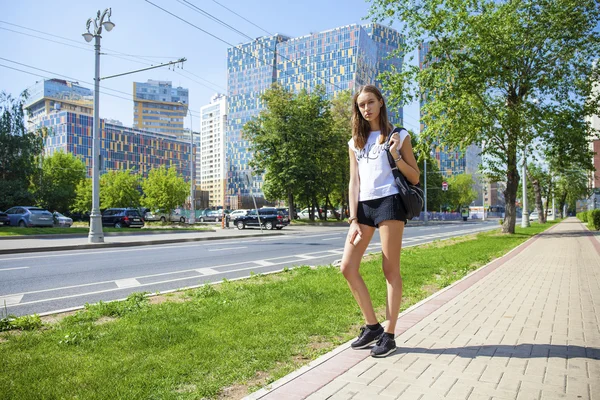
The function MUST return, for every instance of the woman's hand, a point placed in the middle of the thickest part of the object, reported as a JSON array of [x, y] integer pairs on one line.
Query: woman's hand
[[353, 232], [394, 143]]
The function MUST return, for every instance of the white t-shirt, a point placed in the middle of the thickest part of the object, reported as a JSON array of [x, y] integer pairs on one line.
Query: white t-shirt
[[374, 170]]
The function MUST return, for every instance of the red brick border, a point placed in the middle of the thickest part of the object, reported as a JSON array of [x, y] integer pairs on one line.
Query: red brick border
[[309, 382]]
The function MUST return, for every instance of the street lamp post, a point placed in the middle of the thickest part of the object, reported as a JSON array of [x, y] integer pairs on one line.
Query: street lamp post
[[525, 213], [192, 219], [425, 191], [95, 234]]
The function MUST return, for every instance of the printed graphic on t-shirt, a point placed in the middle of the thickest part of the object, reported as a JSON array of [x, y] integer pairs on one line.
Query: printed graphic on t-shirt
[[371, 151]]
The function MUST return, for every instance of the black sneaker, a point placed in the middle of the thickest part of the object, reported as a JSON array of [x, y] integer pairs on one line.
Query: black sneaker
[[367, 337], [385, 346]]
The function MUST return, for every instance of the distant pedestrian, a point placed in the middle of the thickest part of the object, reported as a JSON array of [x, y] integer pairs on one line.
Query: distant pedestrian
[[374, 203]]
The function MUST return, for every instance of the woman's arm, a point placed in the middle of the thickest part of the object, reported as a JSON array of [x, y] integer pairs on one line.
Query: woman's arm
[[407, 164], [354, 184], [353, 191]]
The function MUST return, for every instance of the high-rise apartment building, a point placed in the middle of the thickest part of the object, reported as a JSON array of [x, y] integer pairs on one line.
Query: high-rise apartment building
[[67, 110], [54, 95], [213, 120], [338, 59], [159, 107]]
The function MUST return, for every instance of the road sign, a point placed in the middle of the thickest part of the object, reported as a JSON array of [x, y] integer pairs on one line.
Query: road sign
[[444, 185]]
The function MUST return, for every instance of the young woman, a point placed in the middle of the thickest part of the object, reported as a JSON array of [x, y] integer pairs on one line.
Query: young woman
[[374, 203]]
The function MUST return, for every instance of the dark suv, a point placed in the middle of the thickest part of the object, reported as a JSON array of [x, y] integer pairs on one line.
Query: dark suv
[[122, 217], [269, 218]]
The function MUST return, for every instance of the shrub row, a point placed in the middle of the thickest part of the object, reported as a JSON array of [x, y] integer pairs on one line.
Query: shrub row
[[592, 218]]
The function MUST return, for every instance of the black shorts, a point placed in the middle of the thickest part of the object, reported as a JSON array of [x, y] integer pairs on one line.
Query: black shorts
[[373, 212]]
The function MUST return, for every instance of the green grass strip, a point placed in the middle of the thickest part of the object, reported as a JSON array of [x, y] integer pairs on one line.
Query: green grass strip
[[210, 342]]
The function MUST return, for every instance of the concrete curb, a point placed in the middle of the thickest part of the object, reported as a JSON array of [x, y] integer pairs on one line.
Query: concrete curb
[[83, 235], [127, 244]]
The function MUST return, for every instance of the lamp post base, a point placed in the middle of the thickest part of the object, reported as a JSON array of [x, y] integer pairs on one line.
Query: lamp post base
[[96, 235], [525, 220]]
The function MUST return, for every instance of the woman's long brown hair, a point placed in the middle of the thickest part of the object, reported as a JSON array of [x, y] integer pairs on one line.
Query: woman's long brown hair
[[360, 126]]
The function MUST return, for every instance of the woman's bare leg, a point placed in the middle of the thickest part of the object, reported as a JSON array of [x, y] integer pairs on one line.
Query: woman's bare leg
[[349, 267], [391, 246]]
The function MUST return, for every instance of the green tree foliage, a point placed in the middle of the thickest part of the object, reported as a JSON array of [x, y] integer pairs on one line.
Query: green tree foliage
[[436, 198], [56, 187], [571, 185], [292, 144], [460, 191], [500, 71], [83, 196], [119, 189], [341, 114], [164, 189], [19, 152]]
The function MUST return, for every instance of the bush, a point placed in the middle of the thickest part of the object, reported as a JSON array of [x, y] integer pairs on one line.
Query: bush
[[594, 219], [583, 216]]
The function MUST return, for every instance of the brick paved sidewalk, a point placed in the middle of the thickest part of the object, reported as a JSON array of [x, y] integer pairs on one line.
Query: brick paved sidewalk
[[524, 327]]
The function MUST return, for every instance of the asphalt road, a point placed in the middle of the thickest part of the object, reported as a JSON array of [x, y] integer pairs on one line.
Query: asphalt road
[[58, 281]]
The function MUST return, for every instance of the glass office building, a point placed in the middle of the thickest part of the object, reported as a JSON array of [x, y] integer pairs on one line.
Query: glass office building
[[120, 147], [338, 59]]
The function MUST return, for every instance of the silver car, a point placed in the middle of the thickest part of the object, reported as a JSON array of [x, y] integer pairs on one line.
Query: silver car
[[61, 221], [27, 216]]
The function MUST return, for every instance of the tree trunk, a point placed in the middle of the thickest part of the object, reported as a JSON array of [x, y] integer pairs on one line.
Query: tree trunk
[[292, 208], [538, 198], [563, 200], [548, 201], [512, 185]]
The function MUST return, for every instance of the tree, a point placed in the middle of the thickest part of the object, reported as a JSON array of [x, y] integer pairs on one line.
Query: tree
[[291, 141], [163, 189], [341, 129], [500, 71], [460, 191], [273, 136], [119, 189], [19, 151], [83, 196], [60, 175]]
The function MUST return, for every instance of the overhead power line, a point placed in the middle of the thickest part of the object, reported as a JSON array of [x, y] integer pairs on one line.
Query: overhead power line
[[205, 13]]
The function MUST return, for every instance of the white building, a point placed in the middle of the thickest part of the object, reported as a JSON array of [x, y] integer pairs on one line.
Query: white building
[[213, 120]]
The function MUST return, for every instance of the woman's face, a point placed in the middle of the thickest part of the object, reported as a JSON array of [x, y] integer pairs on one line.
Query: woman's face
[[369, 106]]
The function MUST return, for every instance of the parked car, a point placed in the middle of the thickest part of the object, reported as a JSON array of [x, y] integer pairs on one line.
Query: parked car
[[122, 218], [23, 216], [61, 221], [269, 218], [236, 213], [4, 220], [534, 216], [305, 215], [163, 217], [212, 216], [285, 212], [78, 216]]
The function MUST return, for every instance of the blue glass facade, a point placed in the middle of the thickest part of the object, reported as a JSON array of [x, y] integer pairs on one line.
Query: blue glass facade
[[338, 59], [121, 147]]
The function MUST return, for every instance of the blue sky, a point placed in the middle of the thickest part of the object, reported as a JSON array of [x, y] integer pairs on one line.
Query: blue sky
[[144, 30]]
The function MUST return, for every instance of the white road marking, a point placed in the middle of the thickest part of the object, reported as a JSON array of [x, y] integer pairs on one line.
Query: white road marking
[[302, 256], [11, 300], [265, 263], [320, 254], [208, 271], [129, 282], [334, 238], [11, 269], [229, 248]]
